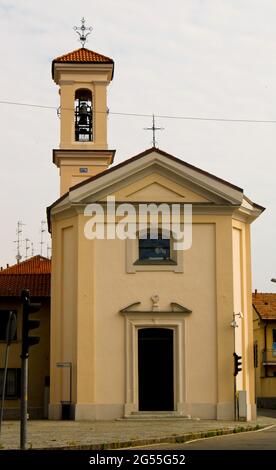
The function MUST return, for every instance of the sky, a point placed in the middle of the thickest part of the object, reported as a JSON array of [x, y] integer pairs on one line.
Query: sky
[[191, 58]]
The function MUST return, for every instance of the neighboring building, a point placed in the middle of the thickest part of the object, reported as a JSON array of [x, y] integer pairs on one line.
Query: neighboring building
[[35, 275], [145, 328], [264, 316]]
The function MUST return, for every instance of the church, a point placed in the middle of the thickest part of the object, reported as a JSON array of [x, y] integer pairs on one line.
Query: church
[[139, 328]]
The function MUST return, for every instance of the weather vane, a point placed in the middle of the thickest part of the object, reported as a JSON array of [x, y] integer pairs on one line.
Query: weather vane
[[153, 128], [82, 32]]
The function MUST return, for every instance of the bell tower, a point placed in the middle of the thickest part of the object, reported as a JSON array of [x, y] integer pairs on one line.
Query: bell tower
[[82, 76]]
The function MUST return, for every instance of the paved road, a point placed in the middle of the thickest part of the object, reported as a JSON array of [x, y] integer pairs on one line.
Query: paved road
[[257, 440]]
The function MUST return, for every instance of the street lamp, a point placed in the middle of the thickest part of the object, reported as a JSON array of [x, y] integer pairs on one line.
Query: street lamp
[[234, 325]]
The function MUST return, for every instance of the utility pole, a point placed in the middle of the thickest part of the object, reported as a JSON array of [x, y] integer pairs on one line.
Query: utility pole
[[10, 335], [237, 360]]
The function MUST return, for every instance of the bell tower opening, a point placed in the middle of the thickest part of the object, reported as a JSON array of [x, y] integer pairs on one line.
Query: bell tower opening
[[83, 116]]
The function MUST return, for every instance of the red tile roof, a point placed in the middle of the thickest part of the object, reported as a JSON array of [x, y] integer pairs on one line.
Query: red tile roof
[[84, 56], [35, 265], [33, 274], [265, 305], [11, 285]]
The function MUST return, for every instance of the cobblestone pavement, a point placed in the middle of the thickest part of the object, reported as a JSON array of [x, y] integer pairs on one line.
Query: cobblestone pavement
[[57, 434]]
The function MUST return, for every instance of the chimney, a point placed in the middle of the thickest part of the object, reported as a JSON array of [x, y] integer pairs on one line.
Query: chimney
[[256, 291], [8, 265]]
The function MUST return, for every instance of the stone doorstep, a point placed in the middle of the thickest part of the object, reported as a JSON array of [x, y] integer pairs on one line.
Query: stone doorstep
[[175, 439], [159, 415]]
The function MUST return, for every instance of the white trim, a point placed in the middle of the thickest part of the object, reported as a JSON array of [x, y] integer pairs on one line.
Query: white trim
[[204, 181], [133, 323]]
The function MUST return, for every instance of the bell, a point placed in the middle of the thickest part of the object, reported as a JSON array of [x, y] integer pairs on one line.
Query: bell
[[83, 114], [83, 109]]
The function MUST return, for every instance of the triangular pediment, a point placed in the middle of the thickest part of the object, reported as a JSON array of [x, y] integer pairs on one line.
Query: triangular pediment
[[154, 176], [157, 188], [157, 177]]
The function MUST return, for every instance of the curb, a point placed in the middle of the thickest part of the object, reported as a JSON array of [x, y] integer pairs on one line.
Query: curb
[[176, 439]]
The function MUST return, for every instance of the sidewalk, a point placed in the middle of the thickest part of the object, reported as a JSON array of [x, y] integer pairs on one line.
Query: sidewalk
[[119, 434]]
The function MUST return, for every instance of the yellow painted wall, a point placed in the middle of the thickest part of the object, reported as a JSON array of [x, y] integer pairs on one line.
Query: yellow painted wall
[[215, 282], [243, 304], [63, 303], [95, 79], [101, 287], [264, 376], [68, 86]]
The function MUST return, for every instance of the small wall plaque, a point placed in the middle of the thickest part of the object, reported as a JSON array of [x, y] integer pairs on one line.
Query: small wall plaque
[[83, 170]]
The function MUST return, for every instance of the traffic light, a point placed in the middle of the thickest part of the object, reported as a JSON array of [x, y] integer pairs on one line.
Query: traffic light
[[27, 324], [237, 363]]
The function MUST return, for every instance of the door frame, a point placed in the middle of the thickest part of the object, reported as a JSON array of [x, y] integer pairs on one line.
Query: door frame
[[133, 323]]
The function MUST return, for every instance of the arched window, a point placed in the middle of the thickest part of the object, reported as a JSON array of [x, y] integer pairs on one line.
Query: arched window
[[83, 116]]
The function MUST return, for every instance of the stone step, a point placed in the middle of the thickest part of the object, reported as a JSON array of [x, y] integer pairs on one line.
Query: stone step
[[159, 415]]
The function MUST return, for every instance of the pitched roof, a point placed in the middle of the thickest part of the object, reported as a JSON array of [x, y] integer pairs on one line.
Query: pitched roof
[[35, 265], [265, 305], [137, 157], [129, 160], [161, 152], [33, 274], [11, 285], [82, 56]]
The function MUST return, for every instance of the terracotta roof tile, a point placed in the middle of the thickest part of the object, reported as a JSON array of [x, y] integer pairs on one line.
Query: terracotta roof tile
[[33, 274], [84, 56], [265, 305], [35, 265], [11, 285]]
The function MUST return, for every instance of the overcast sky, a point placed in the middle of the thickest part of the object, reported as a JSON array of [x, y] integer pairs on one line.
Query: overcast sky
[[209, 58]]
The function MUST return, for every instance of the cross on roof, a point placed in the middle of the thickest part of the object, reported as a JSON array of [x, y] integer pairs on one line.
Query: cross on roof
[[81, 31], [153, 128]]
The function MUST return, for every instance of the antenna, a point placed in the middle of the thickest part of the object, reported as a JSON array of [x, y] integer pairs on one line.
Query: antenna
[[42, 231], [18, 241], [32, 249], [27, 247], [49, 251]]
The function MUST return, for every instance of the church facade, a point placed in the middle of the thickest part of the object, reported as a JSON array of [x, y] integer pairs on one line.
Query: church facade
[[137, 326]]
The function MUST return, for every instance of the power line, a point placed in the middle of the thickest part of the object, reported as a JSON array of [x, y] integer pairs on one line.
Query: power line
[[30, 105], [160, 116]]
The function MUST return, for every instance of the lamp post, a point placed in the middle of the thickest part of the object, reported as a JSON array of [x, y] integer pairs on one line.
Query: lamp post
[[10, 335], [234, 325]]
